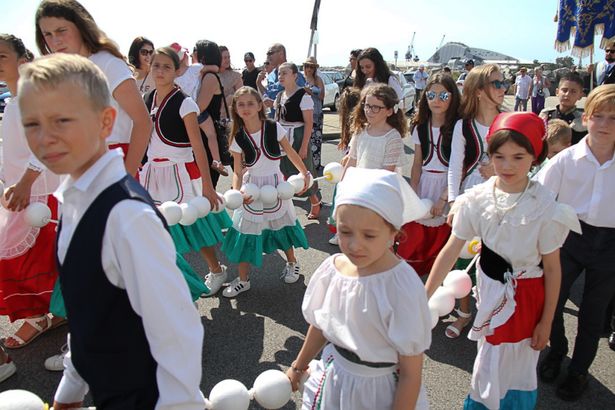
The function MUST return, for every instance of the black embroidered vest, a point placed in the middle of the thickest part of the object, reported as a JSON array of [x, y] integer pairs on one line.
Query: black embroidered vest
[[268, 145], [167, 121], [290, 111]]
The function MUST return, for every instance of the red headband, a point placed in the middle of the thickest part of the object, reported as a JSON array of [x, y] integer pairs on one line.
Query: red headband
[[528, 124]]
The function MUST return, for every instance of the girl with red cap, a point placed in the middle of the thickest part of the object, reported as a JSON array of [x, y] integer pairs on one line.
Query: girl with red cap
[[518, 273]]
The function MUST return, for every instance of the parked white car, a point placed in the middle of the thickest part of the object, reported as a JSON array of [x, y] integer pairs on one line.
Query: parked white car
[[332, 91]]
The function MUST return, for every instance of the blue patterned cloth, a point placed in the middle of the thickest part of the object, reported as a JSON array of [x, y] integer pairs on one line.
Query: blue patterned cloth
[[586, 19]]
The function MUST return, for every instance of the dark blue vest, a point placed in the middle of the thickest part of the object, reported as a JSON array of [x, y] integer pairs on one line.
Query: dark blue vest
[[108, 344]]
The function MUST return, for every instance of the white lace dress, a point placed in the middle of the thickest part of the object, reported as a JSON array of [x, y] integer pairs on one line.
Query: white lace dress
[[378, 317], [377, 152]]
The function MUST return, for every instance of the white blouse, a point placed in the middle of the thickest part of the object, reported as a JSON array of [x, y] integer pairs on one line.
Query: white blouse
[[378, 317], [536, 226], [377, 152]]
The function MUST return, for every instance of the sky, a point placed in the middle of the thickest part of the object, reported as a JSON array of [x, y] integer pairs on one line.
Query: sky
[[523, 29]]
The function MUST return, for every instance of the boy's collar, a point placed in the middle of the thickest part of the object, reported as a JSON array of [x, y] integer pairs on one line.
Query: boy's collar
[[571, 110], [84, 182]]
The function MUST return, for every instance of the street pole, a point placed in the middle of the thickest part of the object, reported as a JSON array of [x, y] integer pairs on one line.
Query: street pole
[[313, 27]]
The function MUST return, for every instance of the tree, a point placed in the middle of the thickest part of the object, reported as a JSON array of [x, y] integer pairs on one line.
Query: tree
[[564, 61]]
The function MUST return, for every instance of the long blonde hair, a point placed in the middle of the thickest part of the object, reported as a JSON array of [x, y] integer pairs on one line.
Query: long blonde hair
[[477, 80]]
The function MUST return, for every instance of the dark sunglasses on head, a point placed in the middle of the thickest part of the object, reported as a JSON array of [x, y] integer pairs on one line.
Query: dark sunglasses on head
[[443, 95], [145, 52], [499, 84]]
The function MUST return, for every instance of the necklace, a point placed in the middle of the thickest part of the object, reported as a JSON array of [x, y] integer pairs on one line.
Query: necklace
[[503, 210]]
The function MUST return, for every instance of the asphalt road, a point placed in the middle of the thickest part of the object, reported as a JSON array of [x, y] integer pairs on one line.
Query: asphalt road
[[263, 329]]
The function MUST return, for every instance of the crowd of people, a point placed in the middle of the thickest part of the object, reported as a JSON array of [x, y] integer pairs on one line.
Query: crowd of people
[[105, 140]]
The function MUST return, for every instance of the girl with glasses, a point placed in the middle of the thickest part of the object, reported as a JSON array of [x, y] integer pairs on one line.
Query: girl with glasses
[[140, 56], [65, 26], [432, 133], [469, 165]]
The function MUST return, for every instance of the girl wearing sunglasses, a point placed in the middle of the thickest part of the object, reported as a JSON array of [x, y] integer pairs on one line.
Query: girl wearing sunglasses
[[469, 165], [432, 133], [140, 56]]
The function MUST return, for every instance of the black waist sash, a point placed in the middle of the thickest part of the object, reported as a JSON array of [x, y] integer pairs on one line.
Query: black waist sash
[[492, 264], [354, 358]]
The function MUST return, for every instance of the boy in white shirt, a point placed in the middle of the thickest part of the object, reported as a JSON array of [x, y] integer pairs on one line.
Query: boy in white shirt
[[582, 176], [116, 259]]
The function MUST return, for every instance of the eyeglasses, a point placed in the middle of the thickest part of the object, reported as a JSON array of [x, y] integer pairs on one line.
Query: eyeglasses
[[431, 95], [373, 108], [145, 52], [609, 50], [499, 84]]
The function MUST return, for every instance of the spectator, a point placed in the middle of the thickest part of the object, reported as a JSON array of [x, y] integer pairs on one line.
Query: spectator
[[540, 90], [231, 79], [373, 69], [604, 71], [250, 73], [420, 80], [468, 65], [188, 75], [523, 89], [315, 88], [349, 80], [140, 56]]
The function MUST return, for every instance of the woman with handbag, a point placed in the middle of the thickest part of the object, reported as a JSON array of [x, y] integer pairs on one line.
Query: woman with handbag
[[210, 99]]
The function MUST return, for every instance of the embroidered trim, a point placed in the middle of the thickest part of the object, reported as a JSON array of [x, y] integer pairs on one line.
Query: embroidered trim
[[157, 110]]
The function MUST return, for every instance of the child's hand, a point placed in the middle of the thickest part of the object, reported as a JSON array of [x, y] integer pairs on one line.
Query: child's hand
[[212, 196], [345, 160], [303, 151], [438, 208], [247, 199], [306, 180], [297, 378], [486, 171], [18, 196], [541, 335]]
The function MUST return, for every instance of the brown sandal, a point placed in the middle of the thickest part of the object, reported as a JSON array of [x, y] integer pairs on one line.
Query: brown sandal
[[314, 215]]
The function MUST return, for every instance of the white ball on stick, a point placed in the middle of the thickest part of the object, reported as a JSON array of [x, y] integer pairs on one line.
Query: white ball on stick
[[171, 211], [443, 301], [229, 394], [333, 172], [470, 249], [202, 205], [269, 195], [252, 190], [272, 389], [297, 182], [189, 214], [37, 214], [20, 400], [459, 282], [233, 199], [285, 190]]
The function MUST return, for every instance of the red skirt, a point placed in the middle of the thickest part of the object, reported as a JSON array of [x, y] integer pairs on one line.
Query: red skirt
[[26, 282], [419, 244], [530, 300]]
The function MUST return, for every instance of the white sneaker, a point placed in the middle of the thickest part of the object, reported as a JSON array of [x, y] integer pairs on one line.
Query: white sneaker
[[290, 274], [214, 281], [55, 363], [334, 240], [7, 369], [236, 287]]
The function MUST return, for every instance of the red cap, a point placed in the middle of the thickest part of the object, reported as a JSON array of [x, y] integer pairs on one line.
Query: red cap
[[528, 124]]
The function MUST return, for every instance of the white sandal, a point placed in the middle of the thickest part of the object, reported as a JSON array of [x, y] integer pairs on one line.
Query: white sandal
[[455, 331], [33, 322]]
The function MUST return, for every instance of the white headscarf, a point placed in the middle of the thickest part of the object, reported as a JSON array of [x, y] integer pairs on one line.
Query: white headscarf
[[383, 192]]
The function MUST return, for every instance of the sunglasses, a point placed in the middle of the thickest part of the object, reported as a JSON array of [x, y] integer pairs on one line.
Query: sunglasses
[[145, 52], [248, 61], [373, 108], [499, 84], [608, 50], [431, 95]]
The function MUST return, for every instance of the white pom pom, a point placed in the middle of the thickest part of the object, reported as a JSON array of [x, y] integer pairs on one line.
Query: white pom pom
[[297, 182], [229, 394], [470, 249], [189, 214], [333, 172], [221, 205], [459, 282], [434, 316], [20, 400], [269, 195], [285, 190], [233, 199], [428, 204], [171, 211], [442, 301], [272, 389], [37, 214], [252, 190], [201, 204]]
